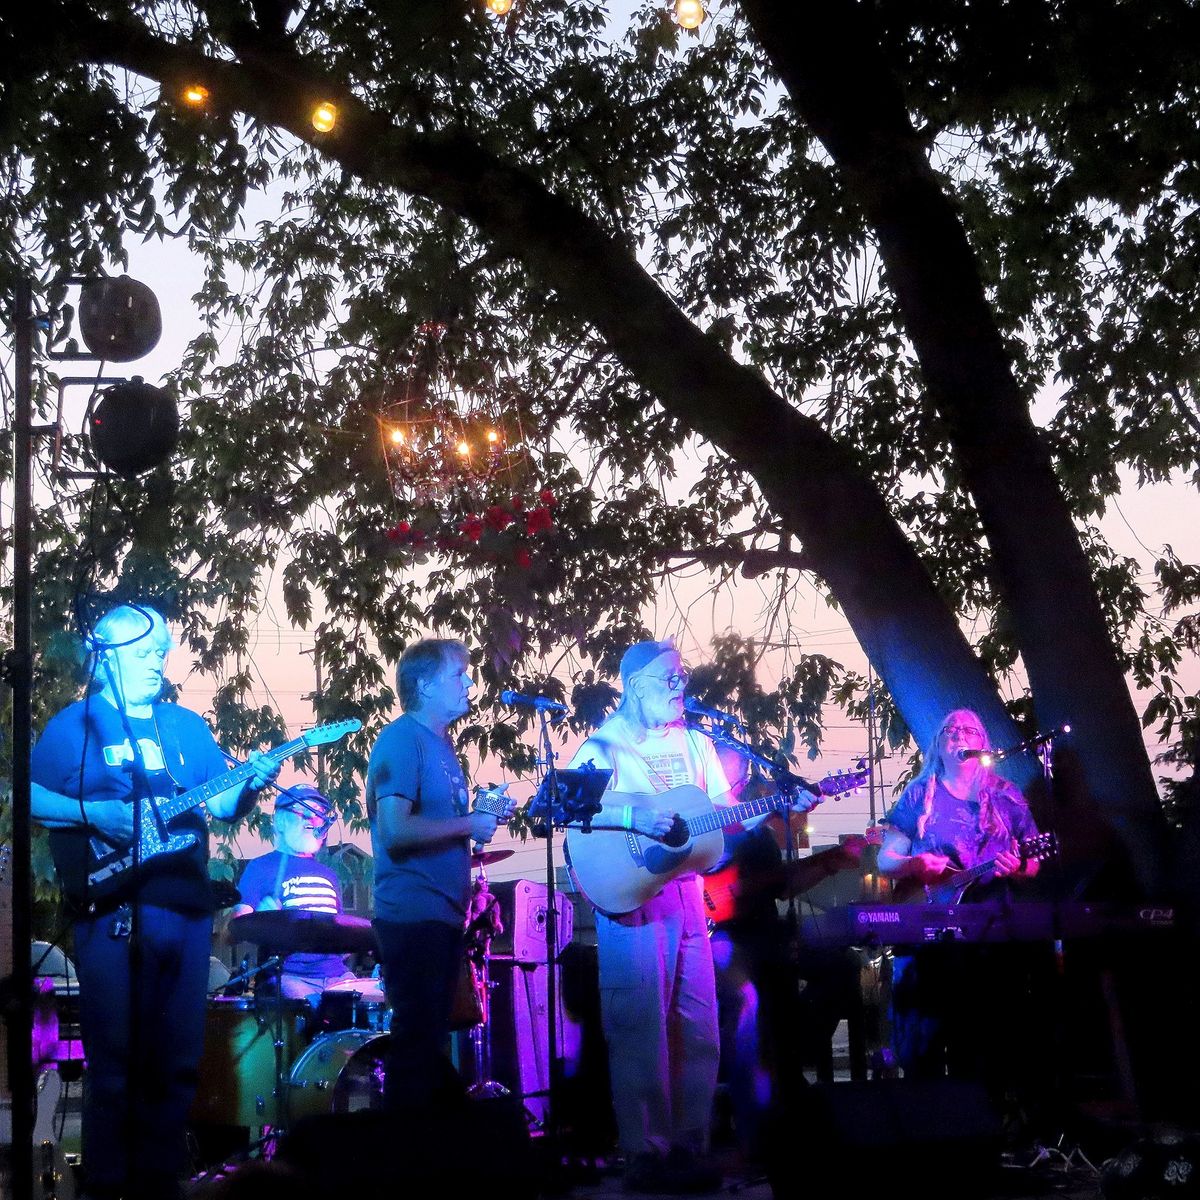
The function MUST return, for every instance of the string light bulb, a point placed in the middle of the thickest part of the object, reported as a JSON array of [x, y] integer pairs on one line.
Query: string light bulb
[[690, 13], [324, 116], [499, 7], [464, 449], [397, 436], [492, 436], [195, 94]]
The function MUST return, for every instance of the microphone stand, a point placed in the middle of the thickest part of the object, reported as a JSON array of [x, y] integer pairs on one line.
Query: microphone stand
[[549, 783], [552, 807]]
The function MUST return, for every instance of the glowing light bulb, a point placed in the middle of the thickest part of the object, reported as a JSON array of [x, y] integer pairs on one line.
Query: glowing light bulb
[[499, 7], [463, 449], [492, 436], [324, 116], [690, 13], [397, 436], [195, 94]]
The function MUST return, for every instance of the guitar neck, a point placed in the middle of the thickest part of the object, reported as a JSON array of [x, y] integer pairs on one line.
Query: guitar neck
[[735, 814], [175, 806]]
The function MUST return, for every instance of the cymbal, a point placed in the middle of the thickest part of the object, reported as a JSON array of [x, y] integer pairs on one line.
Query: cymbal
[[485, 858], [296, 931]]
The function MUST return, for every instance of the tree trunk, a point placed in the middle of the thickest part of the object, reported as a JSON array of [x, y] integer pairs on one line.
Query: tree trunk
[[1038, 564]]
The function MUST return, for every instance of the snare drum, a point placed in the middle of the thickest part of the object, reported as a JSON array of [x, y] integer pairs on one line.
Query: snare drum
[[237, 1070], [340, 1072], [353, 1004]]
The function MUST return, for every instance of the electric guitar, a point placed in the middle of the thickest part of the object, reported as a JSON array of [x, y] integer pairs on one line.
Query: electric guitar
[[726, 890], [112, 870], [952, 885], [619, 870]]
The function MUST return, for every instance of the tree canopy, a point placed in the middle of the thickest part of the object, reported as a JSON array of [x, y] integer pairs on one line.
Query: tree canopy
[[831, 257]]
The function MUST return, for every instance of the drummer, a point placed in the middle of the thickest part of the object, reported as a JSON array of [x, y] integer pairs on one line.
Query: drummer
[[290, 877]]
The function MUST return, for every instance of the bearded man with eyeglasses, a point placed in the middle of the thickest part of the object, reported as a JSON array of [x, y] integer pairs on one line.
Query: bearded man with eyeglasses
[[657, 991]]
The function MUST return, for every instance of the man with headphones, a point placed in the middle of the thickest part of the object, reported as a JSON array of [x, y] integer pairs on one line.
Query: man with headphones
[[141, 934], [291, 878]]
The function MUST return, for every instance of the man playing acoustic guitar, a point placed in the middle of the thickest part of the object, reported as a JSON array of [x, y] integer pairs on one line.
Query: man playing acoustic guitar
[[657, 993]]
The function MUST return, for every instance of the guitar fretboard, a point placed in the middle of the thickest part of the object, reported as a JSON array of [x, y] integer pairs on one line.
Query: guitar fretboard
[[734, 814], [176, 806]]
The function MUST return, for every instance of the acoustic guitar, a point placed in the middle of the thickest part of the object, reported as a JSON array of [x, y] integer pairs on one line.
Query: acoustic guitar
[[619, 870]]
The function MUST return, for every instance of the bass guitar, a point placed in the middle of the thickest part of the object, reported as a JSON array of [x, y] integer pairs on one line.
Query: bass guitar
[[619, 870], [726, 890], [951, 886], [111, 870]]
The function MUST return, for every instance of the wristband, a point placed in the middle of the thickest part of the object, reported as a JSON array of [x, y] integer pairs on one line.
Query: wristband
[[627, 817]]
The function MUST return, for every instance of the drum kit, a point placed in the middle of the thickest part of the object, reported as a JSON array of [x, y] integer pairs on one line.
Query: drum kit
[[270, 1061]]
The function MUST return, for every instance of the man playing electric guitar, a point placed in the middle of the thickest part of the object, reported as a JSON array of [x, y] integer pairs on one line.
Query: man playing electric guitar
[[657, 993], [142, 951]]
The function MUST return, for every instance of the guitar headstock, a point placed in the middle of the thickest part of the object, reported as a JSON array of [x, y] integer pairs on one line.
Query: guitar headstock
[[322, 735], [1039, 848], [846, 780]]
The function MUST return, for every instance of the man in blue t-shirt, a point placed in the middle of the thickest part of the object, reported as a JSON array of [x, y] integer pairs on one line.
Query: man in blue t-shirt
[[291, 878], [142, 937], [422, 828]]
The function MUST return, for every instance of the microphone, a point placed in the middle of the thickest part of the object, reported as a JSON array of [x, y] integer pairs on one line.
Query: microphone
[[539, 703], [693, 706], [986, 756]]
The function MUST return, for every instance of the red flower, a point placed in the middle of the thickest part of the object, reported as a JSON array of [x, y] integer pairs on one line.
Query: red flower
[[398, 532], [471, 527], [546, 496], [523, 557], [498, 518], [537, 520], [517, 504]]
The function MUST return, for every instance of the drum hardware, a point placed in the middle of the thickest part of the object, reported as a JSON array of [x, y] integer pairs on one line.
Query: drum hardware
[[483, 925]]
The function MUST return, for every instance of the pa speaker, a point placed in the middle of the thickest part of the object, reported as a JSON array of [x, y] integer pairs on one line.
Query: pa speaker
[[867, 1125], [478, 1147]]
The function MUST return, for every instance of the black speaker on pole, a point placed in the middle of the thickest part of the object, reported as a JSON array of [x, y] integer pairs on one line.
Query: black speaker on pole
[[851, 1129]]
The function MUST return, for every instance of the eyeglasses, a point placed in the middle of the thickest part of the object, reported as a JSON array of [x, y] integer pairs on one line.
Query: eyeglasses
[[675, 679], [966, 731]]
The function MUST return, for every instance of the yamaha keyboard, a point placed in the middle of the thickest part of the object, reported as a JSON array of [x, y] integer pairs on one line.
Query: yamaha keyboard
[[990, 921]]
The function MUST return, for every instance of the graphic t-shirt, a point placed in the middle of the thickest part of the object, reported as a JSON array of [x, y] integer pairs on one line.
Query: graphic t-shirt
[[953, 827], [666, 758], [296, 882], [425, 883], [85, 753]]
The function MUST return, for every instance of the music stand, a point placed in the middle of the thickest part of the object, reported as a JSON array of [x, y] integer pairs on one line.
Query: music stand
[[564, 798]]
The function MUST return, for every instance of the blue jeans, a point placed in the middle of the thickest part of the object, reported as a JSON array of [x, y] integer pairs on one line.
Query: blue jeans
[[142, 1011]]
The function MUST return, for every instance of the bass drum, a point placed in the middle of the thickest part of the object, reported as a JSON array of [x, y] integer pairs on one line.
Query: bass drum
[[236, 1083], [340, 1072]]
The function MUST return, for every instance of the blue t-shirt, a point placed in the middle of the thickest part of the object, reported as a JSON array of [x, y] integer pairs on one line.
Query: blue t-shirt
[[427, 883], [953, 827], [296, 881], [85, 753]]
